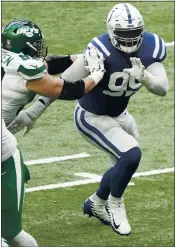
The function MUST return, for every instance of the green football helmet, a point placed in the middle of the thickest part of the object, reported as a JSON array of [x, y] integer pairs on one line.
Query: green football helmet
[[24, 36]]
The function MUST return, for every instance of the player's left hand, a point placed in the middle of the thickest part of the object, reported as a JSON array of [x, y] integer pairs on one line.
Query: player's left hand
[[93, 60], [137, 70]]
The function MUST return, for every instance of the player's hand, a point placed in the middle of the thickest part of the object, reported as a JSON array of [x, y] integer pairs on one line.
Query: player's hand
[[28, 127], [21, 121], [94, 63], [93, 60], [137, 70]]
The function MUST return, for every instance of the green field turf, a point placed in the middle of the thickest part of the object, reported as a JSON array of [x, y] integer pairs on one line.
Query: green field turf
[[68, 27], [149, 204]]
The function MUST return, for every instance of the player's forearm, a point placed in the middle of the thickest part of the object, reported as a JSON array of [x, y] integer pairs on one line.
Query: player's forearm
[[156, 84], [48, 86], [77, 89], [37, 109], [46, 100]]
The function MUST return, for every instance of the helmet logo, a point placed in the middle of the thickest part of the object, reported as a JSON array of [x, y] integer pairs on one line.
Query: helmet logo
[[29, 32]]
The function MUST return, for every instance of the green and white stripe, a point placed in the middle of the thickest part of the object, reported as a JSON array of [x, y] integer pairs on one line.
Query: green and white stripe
[[17, 161], [31, 72]]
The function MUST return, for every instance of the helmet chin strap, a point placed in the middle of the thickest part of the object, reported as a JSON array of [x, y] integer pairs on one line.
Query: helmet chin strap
[[128, 49]]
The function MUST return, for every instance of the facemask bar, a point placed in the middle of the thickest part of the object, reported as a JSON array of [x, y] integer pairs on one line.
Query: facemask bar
[[37, 49], [127, 44], [42, 49]]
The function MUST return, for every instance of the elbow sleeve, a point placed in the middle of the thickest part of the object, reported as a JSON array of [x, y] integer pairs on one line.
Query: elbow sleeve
[[72, 91]]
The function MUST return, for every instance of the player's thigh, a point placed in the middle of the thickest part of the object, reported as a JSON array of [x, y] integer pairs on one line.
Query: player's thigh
[[12, 194], [128, 123], [104, 132]]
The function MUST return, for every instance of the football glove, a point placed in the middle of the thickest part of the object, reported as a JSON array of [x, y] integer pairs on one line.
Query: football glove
[[94, 63], [28, 117], [22, 120], [137, 70]]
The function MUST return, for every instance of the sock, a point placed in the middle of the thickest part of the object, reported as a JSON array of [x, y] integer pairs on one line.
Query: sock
[[98, 200], [123, 171], [105, 184], [24, 239]]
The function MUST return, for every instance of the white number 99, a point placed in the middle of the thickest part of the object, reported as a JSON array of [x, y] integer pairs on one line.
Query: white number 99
[[120, 90]]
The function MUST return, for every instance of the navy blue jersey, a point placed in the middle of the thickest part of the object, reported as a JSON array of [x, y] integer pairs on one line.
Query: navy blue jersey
[[111, 96]]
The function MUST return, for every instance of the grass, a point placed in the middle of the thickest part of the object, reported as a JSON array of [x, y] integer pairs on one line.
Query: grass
[[68, 27], [150, 211]]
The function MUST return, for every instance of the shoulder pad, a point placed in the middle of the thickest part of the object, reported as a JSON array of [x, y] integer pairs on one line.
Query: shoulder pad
[[29, 68]]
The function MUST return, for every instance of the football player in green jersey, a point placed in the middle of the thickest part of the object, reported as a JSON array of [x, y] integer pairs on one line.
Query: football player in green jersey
[[12, 193], [25, 74]]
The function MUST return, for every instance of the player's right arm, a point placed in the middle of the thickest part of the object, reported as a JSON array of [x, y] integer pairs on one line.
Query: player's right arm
[[66, 90], [57, 87], [60, 88]]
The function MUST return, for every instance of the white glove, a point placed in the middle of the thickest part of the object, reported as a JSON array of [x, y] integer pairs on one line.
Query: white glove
[[137, 70], [94, 63], [28, 117]]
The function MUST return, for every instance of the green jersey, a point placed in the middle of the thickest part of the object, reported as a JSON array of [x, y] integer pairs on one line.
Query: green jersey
[[18, 69]]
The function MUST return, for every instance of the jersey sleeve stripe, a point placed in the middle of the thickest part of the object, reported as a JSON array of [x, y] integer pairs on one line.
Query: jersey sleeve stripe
[[103, 48], [157, 46], [160, 47], [30, 72], [163, 49], [98, 47]]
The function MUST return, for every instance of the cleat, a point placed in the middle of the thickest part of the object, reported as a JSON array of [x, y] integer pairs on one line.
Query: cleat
[[96, 209], [117, 214]]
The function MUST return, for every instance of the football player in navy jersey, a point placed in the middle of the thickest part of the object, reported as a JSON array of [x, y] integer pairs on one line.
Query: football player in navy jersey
[[132, 59]]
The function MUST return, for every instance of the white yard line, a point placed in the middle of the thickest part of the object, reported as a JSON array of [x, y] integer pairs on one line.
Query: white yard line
[[153, 172], [93, 178], [90, 179], [56, 159], [170, 43]]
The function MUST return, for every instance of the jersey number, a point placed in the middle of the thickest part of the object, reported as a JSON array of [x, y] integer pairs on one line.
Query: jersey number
[[123, 88]]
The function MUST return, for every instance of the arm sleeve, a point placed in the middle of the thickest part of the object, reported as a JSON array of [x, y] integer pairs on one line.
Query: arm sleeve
[[76, 71], [57, 64], [155, 79], [72, 91]]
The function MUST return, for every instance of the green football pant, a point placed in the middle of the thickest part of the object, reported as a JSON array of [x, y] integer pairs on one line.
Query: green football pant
[[12, 195], [27, 173]]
